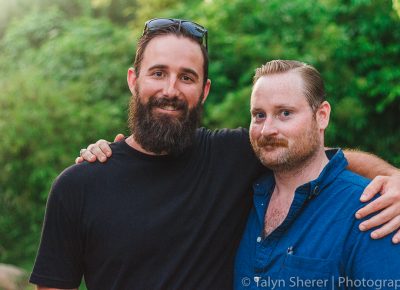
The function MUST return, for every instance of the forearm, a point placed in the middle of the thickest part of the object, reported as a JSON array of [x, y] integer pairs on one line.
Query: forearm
[[368, 165]]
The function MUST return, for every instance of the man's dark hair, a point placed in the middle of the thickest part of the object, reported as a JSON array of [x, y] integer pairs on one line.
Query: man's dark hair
[[173, 29]]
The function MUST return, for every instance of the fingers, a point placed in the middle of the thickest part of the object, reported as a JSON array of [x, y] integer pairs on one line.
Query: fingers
[[119, 137], [99, 151], [373, 188], [98, 154], [104, 147], [376, 205], [396, 237], [386, 229], [378, 219], [388, 203], [88, 156]]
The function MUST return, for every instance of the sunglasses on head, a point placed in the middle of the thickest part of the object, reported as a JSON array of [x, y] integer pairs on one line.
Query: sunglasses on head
[[194, 29]]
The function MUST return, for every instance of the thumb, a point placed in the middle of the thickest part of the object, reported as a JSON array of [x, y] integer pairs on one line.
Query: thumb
[[78, 160], [119, 137]]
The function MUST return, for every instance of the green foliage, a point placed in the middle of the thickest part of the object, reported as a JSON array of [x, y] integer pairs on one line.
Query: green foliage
[[396, 6], [29, 33], [63, 82], [51, 99], [367, 96]]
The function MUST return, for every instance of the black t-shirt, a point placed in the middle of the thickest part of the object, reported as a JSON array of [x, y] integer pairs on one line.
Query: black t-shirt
[[150, 222]]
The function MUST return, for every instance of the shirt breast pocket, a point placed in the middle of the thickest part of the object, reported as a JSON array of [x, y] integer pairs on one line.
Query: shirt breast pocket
[[308, 273]]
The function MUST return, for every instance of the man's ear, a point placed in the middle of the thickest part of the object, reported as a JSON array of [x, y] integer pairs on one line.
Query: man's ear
[[322, 115], [131, 78], [206, 90]]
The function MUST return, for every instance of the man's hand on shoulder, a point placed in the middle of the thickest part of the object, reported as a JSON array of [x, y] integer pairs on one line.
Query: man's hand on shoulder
[[98, 151], [388, 204]]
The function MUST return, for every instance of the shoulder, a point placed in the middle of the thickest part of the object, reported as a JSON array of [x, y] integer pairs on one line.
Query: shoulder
[[341, 197], [353, 180], [223, 133], [70, 182], [235, 140], [238, 137], [230, 146], [348, 187], [76, 178]]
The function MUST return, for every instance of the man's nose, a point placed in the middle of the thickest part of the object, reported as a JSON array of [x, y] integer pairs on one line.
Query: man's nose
[[269, 127], [170, 88]]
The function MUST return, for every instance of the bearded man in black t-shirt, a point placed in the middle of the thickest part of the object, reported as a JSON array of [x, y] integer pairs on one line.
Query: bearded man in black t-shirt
[[167, 212]]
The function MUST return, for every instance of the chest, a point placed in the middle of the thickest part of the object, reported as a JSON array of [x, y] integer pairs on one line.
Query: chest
[[276, 212]]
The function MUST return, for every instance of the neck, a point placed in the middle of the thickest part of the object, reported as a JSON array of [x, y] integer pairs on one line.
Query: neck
[[135, 145], [288, 180]]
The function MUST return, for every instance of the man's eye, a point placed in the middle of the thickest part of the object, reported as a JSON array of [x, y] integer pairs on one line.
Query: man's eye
[[259, 116], [286, 113], [158, 74], [186, 78]]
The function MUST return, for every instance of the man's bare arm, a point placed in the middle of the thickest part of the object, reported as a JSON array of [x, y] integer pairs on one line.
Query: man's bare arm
[[368, 165]]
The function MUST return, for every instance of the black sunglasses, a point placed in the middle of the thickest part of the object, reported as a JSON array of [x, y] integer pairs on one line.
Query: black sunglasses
[[195, 30]]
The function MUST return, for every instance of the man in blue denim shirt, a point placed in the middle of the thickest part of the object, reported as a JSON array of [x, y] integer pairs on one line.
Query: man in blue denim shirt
[[301, 233]]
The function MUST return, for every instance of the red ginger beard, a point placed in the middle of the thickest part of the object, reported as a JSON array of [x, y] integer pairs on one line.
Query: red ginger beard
[[293, 155]]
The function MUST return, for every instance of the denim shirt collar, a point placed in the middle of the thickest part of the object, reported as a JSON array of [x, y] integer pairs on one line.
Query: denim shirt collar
[[337, 163]]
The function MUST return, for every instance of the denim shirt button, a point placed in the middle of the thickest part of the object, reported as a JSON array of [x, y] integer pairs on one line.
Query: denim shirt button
[[316, 190], [258, 239]]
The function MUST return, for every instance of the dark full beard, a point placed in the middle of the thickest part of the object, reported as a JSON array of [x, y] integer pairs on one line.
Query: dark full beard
[[160, 133]]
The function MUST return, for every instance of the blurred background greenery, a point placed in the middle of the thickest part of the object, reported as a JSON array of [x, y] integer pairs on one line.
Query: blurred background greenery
[[63, 81]]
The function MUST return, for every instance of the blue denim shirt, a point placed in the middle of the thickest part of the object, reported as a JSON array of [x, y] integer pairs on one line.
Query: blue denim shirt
[[318, 245]]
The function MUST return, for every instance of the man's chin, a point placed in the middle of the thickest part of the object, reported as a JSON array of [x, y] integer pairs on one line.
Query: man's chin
[[272, 151], [270, 148], [271, 157]]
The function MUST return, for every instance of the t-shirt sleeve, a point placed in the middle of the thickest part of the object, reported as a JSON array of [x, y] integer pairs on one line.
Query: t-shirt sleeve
[[59, 262]]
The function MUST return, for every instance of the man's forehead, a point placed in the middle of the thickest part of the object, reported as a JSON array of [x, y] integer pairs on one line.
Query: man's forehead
[[278, 90], [165, 46], [173, 52], [290, 79]]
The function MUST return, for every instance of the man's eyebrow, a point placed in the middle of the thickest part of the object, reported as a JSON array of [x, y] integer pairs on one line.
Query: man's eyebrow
[[285, 106], [256, 110], [277, 107], [158, 66]]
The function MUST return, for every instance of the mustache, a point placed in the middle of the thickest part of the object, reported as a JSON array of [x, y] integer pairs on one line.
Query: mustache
[[272, 141], [175, 102]]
